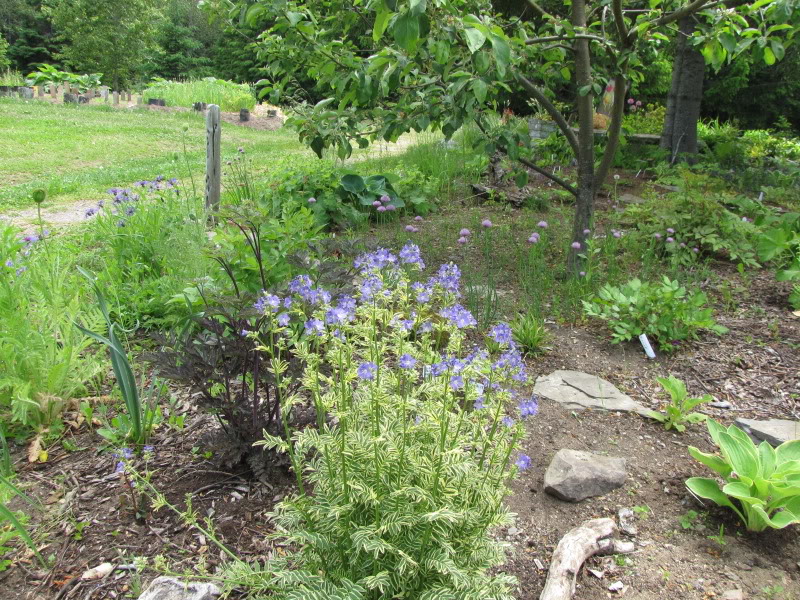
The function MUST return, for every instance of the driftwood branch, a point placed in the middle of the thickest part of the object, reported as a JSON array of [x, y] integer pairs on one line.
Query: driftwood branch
[[586, 540]]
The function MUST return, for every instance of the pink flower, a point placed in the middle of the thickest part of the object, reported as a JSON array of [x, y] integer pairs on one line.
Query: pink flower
[[381, 208], [486, 223], [631, 101], [638, 103]]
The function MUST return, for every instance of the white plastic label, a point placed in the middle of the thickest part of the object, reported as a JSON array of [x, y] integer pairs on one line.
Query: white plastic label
[[648, 349]]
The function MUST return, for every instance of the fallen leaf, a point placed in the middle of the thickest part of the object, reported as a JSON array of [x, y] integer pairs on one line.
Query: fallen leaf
[[34, 449], [98, 572]]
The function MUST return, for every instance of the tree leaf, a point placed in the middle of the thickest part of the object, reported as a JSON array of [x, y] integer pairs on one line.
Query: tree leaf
[[406, 31], [475, 39], [381, 22], [502, 54], [479, 88]]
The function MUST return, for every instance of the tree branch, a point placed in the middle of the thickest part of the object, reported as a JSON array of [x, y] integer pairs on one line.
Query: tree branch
[[619, 21], [551, 110], [539, 9], [677, 15], [561, 38], [531, 165]]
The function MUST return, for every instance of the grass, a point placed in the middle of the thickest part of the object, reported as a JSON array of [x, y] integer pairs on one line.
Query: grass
[[78, 152], [13, 78], [229, 96]]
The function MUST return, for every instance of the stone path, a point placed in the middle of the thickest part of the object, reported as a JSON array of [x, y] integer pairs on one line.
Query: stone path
[[773, 431], [579, 391]]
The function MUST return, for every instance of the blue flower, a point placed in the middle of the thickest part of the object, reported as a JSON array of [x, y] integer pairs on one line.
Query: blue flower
[[479, 402], [501, 333], [315, 327], [337, 316], [410, 255], [508, 421], [377, 260], [448, 277], [529, 408], [120, 468], [457, 382], [127, 453], [523, 462], [148, 449], [407, 361], [458, 316], [367, 371], [283, 319]]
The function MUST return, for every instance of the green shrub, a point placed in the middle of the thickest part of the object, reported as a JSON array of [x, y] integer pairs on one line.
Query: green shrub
[[229, 96], [12, 78], [762, 484], [530, 333], [650, 120], [665, 312], [780, 244]]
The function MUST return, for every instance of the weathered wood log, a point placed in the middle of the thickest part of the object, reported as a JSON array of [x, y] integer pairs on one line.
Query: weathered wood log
[[586, 540]]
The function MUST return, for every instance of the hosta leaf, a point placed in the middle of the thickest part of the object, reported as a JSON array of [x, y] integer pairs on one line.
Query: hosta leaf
[[743, 459], [712, 461]]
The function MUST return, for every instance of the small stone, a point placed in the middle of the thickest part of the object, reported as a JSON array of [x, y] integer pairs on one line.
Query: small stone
[[773, 431], [574, 475], [513, 531], [539, 564], [733, 595], [721, 404], [626, 519], [617, 586], [169, 588], [596, 573]]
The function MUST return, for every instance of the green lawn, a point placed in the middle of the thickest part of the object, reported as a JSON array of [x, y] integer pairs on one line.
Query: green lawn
[[78, 152]]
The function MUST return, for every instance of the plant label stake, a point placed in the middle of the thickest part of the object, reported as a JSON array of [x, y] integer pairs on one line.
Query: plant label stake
[[648, 349], [213, 170]]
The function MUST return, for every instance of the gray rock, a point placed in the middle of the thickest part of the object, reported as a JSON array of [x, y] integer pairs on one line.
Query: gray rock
[[733, 595], [577, 391], [574, 475], [773, 431], [627, 198], [169, 588]]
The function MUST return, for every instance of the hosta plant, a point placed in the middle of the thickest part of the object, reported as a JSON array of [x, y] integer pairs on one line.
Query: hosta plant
[[665, 311], [761, 483], [403, 475], [679, 410]]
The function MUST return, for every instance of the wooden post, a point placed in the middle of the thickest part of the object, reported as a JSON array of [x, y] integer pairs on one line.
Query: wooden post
[[53, 91], [129, 96], [40, 91], [116, 98], [213, 170], [104, 93]]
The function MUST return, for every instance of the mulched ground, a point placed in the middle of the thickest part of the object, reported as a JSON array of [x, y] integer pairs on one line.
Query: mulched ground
[[755, 368]]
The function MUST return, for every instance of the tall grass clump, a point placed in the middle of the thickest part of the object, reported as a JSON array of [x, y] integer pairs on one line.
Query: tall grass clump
[[229, 96], [12, 78]]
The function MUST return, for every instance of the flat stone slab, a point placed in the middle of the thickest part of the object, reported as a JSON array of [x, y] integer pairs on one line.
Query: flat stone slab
[[574, 475], [169, 588], [772, 431], [578, 391]]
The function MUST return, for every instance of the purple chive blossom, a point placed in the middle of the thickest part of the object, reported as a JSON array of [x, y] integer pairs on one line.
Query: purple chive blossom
[[462, 240], [377, 203], [617, 234], [407, 361], [411, 229], [283, 319], [534, 239], [465, 232], [576, 245], [381, 208], [418, 218], [523, 462], [542, 224], [367, 371], [669, 240], [670, 230], [314, 327], [695, 250], [390, 207], [587, 231], [385, 199], [657, 236], [682, 245], [312, 200], [507, 421], [457, 382], [501, 333], [529, 408], [486, 223], [582, 274], [479, 402]]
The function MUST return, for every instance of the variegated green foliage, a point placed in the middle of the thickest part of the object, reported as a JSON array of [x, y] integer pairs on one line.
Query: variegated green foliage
[[403, 481], [762, 483]]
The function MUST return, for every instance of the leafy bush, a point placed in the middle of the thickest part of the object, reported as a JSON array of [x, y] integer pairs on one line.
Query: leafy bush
[[687, 224], [229, 96], [780, 244], [650, 120], [11, 78], [665, 312], [412, 449], [49, 75], [762, 484], [679, 409]]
